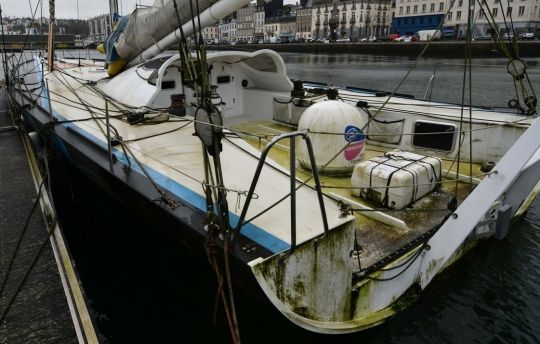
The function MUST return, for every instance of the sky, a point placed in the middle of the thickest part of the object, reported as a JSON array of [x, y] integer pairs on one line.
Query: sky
[[68, 8]]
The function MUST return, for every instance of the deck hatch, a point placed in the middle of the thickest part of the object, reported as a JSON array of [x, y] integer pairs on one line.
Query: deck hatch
[[168, 84], [442, 139]]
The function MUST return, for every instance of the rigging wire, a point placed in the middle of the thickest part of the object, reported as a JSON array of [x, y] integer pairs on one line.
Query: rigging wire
[[462, 110]]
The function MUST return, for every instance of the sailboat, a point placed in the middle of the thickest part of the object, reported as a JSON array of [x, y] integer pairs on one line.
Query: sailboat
[[338, 205]]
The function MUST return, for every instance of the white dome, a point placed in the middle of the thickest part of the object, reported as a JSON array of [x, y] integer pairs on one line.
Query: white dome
[[333, 117]]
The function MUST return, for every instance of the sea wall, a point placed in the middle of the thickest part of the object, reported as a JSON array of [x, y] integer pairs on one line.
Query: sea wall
[[436, 49]]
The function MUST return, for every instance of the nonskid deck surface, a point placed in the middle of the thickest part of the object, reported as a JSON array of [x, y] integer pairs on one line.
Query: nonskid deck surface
[[377, 239], [177, 155], [173, 157]]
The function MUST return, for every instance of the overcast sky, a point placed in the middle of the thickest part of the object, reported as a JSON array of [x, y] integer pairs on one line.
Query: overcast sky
[[68, 8]]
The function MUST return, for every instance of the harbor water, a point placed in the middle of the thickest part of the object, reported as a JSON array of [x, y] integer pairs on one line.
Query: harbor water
[[142, 289]]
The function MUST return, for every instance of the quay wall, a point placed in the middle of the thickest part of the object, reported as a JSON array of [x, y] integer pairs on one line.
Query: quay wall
[[413, 49]]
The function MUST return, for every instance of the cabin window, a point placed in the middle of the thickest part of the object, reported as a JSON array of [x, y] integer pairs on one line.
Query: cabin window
[[168, 85], [223, 79], [434, 135]]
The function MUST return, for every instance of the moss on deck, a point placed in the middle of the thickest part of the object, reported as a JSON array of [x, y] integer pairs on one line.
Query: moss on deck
[[376, 238]]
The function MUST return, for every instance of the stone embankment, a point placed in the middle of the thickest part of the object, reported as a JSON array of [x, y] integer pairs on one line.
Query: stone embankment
[[445, 49]]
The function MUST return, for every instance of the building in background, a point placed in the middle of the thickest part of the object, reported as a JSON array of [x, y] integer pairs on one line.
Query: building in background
[[412, 16], [227, 29], [258, 22], [245, 25], [304, 21], [352, 19], [287, 17], [211, 34], [272, 29], [524, 14], [271, 6], [99, 28]]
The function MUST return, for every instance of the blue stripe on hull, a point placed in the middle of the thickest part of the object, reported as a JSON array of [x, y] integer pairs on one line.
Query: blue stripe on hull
[[250, 230]]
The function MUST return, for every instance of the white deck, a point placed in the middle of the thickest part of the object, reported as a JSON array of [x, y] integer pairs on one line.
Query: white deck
[[176, 162]]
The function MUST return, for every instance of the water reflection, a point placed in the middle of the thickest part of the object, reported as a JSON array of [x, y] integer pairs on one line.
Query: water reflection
[[492, 86]]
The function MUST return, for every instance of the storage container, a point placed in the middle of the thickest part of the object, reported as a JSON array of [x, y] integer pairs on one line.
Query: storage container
[[396, 179], [335, 130]]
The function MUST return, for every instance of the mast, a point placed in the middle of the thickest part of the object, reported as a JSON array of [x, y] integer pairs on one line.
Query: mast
[[50, 57], [4, 61], [113, 8]]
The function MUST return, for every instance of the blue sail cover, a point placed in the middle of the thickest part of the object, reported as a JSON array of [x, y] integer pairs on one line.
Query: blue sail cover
[[110, 49]]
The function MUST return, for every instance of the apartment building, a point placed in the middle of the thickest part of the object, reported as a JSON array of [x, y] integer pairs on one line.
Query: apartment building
[[245, 24], [227, 30], [99, 28], [272, 28], [523, 14], [412, 16], [353, 19], [303, 23], [258, 23], [211, 34]]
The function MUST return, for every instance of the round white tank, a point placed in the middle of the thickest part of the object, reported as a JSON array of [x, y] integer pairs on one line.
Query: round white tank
[[333, 117]]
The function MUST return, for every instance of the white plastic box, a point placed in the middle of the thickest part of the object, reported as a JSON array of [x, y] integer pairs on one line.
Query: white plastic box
[[396, 179]]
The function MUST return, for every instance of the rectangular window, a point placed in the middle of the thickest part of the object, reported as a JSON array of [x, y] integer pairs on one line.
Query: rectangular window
[[509, 11], [521, 11], [415, 9], [168, 85], [408, 9], [441, 6], [481, 14], [223, 79], [458, 15], [432, 8], [449, 16], [423, 8], [400, 10], [443, 141], [495, 10], [460, 3]]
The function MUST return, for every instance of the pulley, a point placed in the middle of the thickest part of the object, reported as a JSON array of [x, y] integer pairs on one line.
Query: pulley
[[209, 129], [516, 68]]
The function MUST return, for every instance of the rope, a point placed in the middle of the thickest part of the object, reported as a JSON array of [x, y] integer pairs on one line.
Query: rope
[[467, 56], [407, 186]]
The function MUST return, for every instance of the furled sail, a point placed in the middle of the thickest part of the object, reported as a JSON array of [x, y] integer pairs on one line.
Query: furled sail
[[148, 25], [149, 30]]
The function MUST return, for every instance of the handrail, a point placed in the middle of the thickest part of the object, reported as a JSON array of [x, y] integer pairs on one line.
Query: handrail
[[292, 136]]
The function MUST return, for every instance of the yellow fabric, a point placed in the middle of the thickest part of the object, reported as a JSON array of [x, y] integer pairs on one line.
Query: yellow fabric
[[101, 48], [116, 66]]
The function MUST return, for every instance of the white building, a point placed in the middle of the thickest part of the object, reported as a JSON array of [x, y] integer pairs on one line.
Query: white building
[[245, 25], [414, 15], [31, 31], [525, 16], [227, 30], [258, 24], [354, 19], [272, 28], [99, 28], [303, 23]]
